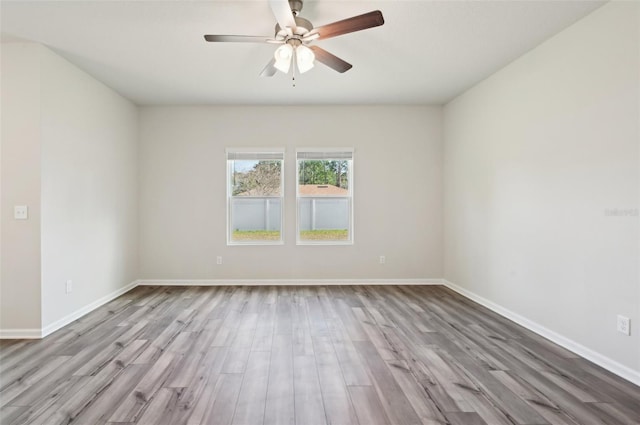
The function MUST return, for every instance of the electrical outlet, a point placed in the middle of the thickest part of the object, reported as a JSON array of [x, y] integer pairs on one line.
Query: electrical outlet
[[21, 212], [218, 260], [624, 325], [382, 259], [69, 287]]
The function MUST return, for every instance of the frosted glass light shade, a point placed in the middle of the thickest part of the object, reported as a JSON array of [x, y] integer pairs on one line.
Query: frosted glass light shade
[[304, 58], [283, 56]]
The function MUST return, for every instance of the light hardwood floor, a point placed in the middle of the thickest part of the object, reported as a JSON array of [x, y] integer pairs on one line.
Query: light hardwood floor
[[303, 355]]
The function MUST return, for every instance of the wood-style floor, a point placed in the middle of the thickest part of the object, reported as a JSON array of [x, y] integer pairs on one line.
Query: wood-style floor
[[303, 355]]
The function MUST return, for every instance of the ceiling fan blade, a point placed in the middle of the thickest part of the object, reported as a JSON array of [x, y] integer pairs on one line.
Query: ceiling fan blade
[[310, 36], [356, 23], [269, 70], [282, 11], [237, 38], [331, 60]]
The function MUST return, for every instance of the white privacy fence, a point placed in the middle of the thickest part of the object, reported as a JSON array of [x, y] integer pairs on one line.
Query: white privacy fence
[[323, 213], [256, 213]]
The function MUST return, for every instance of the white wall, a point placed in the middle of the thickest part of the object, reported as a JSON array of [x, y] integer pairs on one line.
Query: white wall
[[20, 185], [69, 152], [535, 158], [89, 189], [183, 206]]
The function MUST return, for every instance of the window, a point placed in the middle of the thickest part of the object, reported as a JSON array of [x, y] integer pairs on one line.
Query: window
[[325, 196], [254, 196]]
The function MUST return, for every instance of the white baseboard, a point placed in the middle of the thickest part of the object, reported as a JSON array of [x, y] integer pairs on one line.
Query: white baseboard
[[20, 333], [593, 356], [284, 282], [86, 309]]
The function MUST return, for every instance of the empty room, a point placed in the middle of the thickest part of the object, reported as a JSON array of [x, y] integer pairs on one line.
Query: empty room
[[320, 212]]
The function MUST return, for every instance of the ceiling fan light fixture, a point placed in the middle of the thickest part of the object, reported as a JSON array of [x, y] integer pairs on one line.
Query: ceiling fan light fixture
[[295, 32], [283, 56], [304, 58]]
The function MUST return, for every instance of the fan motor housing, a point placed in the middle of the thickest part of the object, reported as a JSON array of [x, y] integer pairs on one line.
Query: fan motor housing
[[303, 26]]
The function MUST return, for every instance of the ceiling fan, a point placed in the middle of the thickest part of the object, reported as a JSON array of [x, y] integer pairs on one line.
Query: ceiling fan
[[294, 34]]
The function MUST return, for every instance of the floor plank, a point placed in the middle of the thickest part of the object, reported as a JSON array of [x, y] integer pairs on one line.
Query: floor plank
[[337, 403], [224, 400], [279, 408], [253, 393], [368, 406], [309, 407]]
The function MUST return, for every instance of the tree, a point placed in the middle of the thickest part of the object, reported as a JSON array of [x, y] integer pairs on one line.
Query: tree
[[324, 172], [262, 180], [313, 172], [339, 169]]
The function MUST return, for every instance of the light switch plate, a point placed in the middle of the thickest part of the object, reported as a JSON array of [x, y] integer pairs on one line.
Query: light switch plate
[[20, 212]]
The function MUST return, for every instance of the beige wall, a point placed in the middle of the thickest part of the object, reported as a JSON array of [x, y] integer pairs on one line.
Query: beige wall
[[69, 152], [89, 189], [20, 180], [397, 196], [536, 158]]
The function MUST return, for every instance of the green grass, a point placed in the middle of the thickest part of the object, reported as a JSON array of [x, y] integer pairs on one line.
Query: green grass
[[324, 235], [256, 235], [305, 235]]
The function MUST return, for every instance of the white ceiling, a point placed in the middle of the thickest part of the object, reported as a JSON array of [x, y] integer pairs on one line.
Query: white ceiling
[[153, 52]]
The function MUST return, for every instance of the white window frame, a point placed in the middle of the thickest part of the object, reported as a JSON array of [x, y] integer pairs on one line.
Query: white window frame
[[326, 154], [254, 154]]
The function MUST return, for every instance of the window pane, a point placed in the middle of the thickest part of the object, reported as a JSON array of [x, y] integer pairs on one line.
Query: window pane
[[324, 219], [329, 173], [325, 210], [255, 219], [254, 201], [256, 178]]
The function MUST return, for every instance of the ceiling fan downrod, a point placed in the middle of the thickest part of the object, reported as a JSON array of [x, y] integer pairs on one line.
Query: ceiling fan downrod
[[296, 6]]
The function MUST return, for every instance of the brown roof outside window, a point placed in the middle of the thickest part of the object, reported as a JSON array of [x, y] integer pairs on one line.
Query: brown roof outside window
[[321, 189]]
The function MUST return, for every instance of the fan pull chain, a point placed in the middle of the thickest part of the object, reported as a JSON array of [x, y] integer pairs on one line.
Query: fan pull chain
[[293, 75]]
